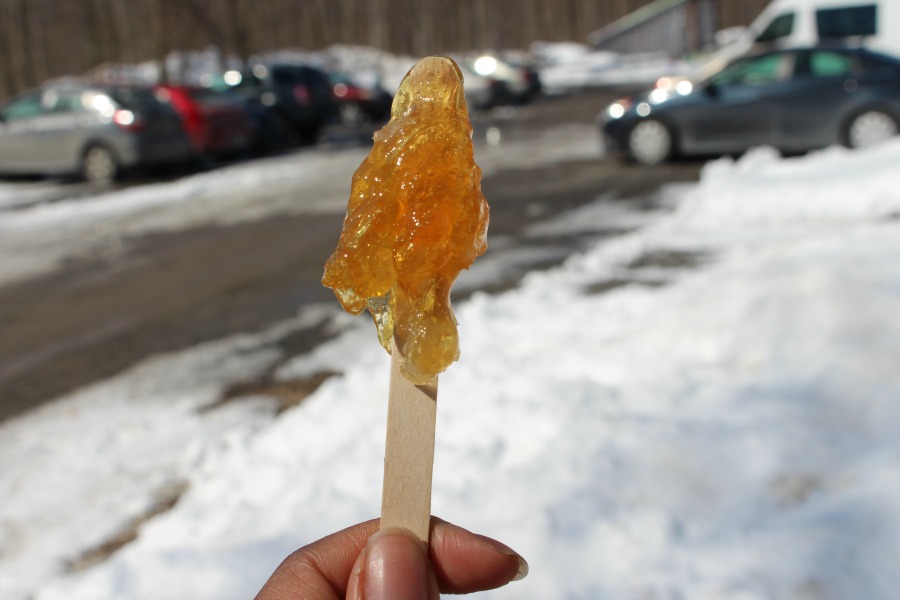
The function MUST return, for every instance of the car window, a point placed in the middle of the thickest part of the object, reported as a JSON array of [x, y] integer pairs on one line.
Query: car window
[[134, 98], [780, 27], [24, 108], [317, 78], [878, 65], [285, 76], [204, 94], [752, 71], [68, 101], [829, 64], [237, 81], [212, 97]]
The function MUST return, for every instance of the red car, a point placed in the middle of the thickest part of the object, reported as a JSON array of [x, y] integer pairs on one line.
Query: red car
[[216, 124]]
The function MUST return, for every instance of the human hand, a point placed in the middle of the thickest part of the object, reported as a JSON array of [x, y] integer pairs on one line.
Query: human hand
[[362, 563]]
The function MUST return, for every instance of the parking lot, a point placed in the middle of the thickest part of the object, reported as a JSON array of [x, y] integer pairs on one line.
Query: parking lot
[[256, 256]]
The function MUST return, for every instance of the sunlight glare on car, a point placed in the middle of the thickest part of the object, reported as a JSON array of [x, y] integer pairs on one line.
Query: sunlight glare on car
[[485, 65], [104, 105], [233, 77]]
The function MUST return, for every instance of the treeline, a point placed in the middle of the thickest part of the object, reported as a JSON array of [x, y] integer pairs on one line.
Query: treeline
[[40, 39]]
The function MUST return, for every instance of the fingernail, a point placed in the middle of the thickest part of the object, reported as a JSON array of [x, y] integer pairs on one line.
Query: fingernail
[[396, 566], [523, 569], [504, 549]]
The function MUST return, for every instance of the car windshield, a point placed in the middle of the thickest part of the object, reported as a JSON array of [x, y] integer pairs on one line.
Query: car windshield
[[781, 26]]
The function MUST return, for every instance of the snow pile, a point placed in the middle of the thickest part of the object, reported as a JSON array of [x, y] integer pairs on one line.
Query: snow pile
[[637, 431], [565, 67], [762, 190]]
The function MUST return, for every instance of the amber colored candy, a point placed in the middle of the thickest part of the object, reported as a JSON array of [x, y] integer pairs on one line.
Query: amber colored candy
[[416, 217]]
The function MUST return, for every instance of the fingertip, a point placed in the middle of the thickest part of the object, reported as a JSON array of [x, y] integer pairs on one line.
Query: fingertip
[[467, 562]]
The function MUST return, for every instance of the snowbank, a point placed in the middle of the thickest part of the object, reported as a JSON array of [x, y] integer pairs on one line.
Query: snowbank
[[566, 67], [636, 427]]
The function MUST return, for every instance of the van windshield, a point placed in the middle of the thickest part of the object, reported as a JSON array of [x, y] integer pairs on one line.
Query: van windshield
[[780, 27]]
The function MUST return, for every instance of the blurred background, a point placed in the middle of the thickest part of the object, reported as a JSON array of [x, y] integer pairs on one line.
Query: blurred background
[[45, 38], [683, 330]]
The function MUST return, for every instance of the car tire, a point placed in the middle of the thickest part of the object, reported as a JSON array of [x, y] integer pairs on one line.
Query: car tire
[[869, 128], [99, 164], [351, 114], [650, 142]]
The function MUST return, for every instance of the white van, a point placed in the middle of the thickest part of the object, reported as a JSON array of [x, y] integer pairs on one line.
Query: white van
[[874, 24]]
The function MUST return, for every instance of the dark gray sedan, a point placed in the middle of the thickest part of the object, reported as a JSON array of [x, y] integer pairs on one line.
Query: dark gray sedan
[[795, 100], [91, 130]]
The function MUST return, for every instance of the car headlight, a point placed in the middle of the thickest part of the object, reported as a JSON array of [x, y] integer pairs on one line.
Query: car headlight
[[658, 96], [617, 109]]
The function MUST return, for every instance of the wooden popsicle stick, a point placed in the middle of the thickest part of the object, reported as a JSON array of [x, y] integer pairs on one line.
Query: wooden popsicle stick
[[408, 453]]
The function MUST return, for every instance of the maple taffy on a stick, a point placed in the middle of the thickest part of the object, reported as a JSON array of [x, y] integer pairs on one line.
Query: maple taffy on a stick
[[416, 218]]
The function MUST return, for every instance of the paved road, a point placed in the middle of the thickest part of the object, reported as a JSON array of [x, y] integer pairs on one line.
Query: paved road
[[174, 290]]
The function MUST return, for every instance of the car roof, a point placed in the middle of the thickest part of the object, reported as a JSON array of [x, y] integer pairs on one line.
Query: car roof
[[830, 46]]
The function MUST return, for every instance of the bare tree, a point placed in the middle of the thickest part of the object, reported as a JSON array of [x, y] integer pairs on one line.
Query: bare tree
[[47, 38]]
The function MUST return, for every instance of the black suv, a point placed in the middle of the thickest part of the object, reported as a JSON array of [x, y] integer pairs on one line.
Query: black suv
[[299, 96]]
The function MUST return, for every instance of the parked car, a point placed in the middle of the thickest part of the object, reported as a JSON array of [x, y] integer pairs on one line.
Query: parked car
[[216, 124], [794, 99], [299, 96], [874, 24], [96, 131], [511, 82], [479, 90], [356, 104]]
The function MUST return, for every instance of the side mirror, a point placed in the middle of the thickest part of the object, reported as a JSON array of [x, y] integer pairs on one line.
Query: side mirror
[[712, 90]]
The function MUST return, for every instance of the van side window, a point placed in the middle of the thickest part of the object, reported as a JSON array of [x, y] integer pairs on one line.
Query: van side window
[[780, 27], [847, 22]]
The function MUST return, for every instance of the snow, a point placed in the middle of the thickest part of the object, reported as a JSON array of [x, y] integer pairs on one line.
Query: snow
[[725, 430], [566, 66]]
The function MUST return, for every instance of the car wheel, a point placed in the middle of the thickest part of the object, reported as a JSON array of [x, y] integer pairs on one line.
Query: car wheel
[[870, 128], [99, 165], [650, 142], [351, 114]]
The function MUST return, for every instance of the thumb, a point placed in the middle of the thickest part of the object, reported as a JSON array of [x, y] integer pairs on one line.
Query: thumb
[[393, 566]]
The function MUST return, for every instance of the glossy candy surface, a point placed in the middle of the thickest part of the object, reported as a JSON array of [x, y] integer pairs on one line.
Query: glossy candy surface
[[416, 217]]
